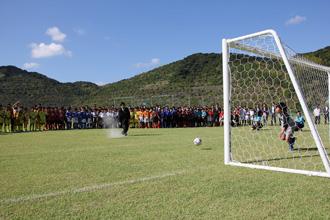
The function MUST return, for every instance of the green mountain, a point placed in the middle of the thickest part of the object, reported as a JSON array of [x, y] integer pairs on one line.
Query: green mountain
[[32, 88], [321, 56], [194, 80], [180, 82]]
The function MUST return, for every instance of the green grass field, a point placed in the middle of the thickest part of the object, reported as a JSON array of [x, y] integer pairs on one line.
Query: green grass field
[[151, 174], [265, 148]]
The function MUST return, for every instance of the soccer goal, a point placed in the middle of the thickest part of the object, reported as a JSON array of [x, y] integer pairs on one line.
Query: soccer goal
[[271, 96]]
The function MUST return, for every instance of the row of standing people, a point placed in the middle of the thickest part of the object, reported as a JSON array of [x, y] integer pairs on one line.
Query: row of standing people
[[264, 114], [17, 118]]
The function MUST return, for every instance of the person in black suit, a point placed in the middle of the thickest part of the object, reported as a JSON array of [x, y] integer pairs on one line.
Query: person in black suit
[[124, 116]]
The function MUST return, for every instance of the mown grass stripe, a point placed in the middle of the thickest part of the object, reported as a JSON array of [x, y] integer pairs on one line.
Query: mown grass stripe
[[87, 188]]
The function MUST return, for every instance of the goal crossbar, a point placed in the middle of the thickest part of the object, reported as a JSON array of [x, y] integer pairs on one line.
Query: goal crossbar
[[255, 50]]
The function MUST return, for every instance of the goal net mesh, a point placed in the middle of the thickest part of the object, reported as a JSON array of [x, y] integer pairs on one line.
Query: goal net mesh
[[259, 81]]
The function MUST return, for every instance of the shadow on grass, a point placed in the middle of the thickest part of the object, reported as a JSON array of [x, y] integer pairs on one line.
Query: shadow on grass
[[306, 149], [262, 129], [2, 133], [143, 135], [206, 148], [10, 133]]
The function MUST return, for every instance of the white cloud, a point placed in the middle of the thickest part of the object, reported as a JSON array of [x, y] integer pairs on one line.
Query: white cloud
[[155, 61], [100, 83], [151, 63], [48, 50], [295, 20], [79, 31], [56, 34], [29, 66]]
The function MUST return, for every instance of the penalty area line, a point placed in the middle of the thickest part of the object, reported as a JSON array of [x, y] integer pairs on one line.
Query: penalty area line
[[87, 188]]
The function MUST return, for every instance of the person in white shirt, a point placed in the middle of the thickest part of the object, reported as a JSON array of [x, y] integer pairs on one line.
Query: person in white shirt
[[247, 117], [317, 115], [265, 113], [251, 115], [273, 114], [242, 113]]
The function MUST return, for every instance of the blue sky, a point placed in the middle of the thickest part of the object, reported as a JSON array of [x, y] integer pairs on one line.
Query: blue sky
[[105, 41]]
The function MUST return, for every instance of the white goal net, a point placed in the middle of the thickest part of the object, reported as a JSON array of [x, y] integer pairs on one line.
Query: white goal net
[[276, 105]]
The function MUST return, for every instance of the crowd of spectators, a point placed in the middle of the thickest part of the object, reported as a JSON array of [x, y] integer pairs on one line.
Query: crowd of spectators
[[264, 115], [17, 118]]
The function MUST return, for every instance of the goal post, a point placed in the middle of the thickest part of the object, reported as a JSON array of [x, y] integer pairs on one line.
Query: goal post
[[226, 103], [260, 71]]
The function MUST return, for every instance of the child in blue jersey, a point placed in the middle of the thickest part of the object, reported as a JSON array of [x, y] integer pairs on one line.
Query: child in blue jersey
[[83, 118], [68, 118], [256, 124], [89, 118], [75, 117], [300, 121], [287, 125]]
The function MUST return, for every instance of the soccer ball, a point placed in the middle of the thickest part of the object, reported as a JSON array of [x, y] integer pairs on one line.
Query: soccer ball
[[197, 141]]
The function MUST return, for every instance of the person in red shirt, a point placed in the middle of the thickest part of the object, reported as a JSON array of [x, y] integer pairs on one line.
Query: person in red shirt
[[221, 117], [210, 117]]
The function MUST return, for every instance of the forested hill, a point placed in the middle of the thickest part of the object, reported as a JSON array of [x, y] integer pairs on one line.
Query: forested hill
[[192, 80], [32, 88], [321, 56]]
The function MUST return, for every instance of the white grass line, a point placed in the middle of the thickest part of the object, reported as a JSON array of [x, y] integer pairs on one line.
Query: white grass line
[[87, 188]]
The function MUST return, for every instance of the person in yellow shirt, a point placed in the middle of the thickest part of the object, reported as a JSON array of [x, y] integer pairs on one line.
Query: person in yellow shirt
[[136, 117], [146, 118], [33, 118], [132, 116], [15, 119], [42, 118]]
